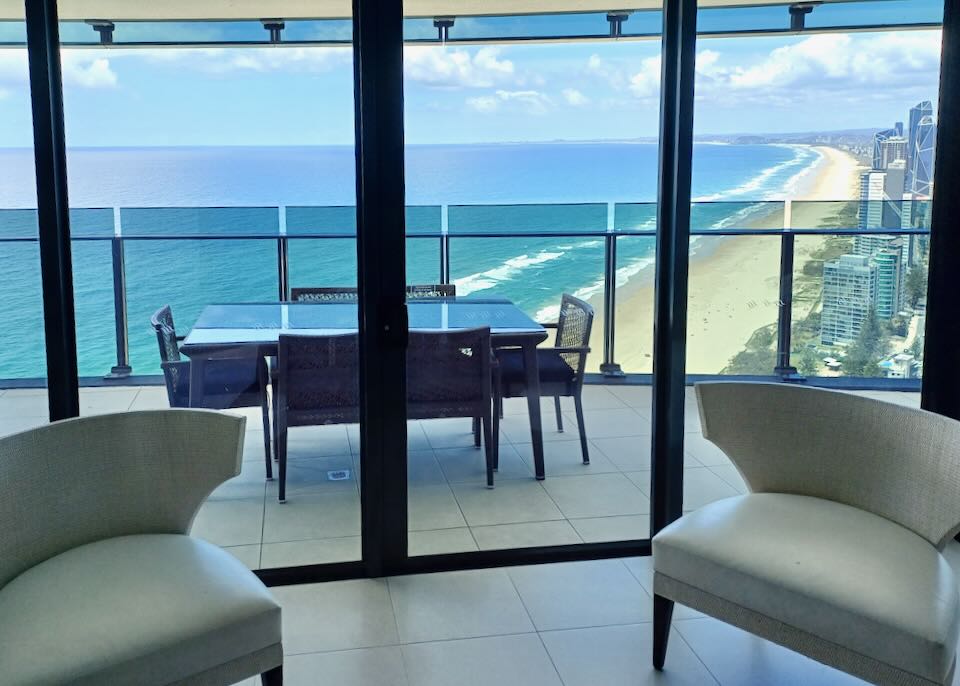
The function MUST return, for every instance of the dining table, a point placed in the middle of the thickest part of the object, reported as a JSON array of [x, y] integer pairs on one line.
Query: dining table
[[242, 329]]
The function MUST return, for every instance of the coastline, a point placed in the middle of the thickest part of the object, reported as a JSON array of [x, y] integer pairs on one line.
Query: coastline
[[734, 281]]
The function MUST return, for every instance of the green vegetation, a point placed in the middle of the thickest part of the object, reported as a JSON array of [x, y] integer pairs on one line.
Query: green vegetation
[[809, 364], [916, 348], [864, 356], [915, 285], [760, 355]]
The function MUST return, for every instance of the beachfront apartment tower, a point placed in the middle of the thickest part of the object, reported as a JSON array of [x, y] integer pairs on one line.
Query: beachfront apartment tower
[[889, 279], [849, 293], [890, 145], [879, 138], [872, 194], [893, 150]]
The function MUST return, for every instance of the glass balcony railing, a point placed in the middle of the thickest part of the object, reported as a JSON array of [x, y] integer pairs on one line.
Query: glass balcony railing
[[813, 289]]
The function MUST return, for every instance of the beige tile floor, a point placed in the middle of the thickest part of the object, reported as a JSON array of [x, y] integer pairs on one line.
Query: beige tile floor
[[571, 624], [450, 509]]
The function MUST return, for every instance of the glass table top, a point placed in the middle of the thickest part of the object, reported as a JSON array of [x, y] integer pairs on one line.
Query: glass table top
[[251, 322]]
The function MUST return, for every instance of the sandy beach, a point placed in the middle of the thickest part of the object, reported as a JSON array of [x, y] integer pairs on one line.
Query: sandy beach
[[734, 282]]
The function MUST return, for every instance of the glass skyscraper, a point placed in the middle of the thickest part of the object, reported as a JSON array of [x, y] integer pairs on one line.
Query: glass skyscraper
[[921, 162], [921, 137]]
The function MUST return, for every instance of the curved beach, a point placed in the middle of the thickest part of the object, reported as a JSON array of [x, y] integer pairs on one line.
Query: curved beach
[[734, 282]]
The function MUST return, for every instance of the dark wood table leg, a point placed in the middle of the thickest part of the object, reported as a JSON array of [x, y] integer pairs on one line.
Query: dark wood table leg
[[532, 370]]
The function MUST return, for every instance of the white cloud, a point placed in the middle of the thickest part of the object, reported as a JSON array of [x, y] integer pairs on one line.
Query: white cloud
[[80, 69], [574, 97], [443, 67], [646, 82], [263, 60], [528, 101], [483, 103], [836, 66], [610, 72]]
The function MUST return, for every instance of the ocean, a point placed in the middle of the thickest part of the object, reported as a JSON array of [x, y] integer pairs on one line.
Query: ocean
[[187, 274]]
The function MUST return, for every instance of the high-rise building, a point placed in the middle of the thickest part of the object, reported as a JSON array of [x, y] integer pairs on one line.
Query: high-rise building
[[849, 293], [917, 114], [889, 273], [893, 149], [872, 194], [879, 138], [921, 158]]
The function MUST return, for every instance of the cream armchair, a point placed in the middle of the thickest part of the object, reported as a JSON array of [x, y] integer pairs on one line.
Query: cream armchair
[[835, 552], [99, 583]]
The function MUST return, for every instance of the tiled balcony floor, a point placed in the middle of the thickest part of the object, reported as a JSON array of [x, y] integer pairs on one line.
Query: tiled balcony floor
[[571, 624], [451, 510]]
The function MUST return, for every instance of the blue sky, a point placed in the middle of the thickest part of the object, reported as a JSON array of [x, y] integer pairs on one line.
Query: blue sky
[[583, 91]]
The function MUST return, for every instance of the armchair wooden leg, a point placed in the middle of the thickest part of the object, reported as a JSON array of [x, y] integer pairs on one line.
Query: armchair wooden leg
[[282, 463], [495, 441], [662, 614], [488, 445], [272, 678], [578, 403], [276, 428], [556, 405], [267, 430], [264, 378]]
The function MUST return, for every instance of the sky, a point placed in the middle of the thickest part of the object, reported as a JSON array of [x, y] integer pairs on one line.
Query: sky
[[457, 94]]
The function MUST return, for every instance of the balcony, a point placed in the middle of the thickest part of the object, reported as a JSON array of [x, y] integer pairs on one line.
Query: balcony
[[756, 323]]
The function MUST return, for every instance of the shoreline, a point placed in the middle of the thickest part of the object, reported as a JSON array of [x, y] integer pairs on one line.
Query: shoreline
[[734, 280]]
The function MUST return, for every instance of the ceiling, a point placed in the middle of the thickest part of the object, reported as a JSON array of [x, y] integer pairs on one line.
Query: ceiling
[[226, 10]]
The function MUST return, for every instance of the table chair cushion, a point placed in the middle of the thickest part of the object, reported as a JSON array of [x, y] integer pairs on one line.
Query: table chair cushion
[[146, 609], [835, 572], [553, 368]]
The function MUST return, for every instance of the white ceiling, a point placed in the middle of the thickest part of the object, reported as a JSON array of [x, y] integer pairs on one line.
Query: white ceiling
[[165, 10]]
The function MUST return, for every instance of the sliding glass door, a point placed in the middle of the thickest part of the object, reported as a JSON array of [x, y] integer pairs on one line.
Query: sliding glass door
[[212, 190], [433, 257]]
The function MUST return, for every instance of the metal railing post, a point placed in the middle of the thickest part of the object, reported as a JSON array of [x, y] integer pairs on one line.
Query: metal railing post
[[122, 369], [609, 367], [785, 305], [444, 245], [283, 257]]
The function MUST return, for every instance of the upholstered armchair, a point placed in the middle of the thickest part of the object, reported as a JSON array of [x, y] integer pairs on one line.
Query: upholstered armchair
[[836, 550], [99, 581]]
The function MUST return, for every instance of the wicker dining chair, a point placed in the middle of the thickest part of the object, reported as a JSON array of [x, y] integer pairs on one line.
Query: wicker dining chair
[[430, 291], [318, 382], [449, 374], [332, 294], [338, 294], [561, 367], [230, 382]]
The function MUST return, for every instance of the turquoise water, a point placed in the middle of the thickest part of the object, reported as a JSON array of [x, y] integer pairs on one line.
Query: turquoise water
[[573, 184]]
